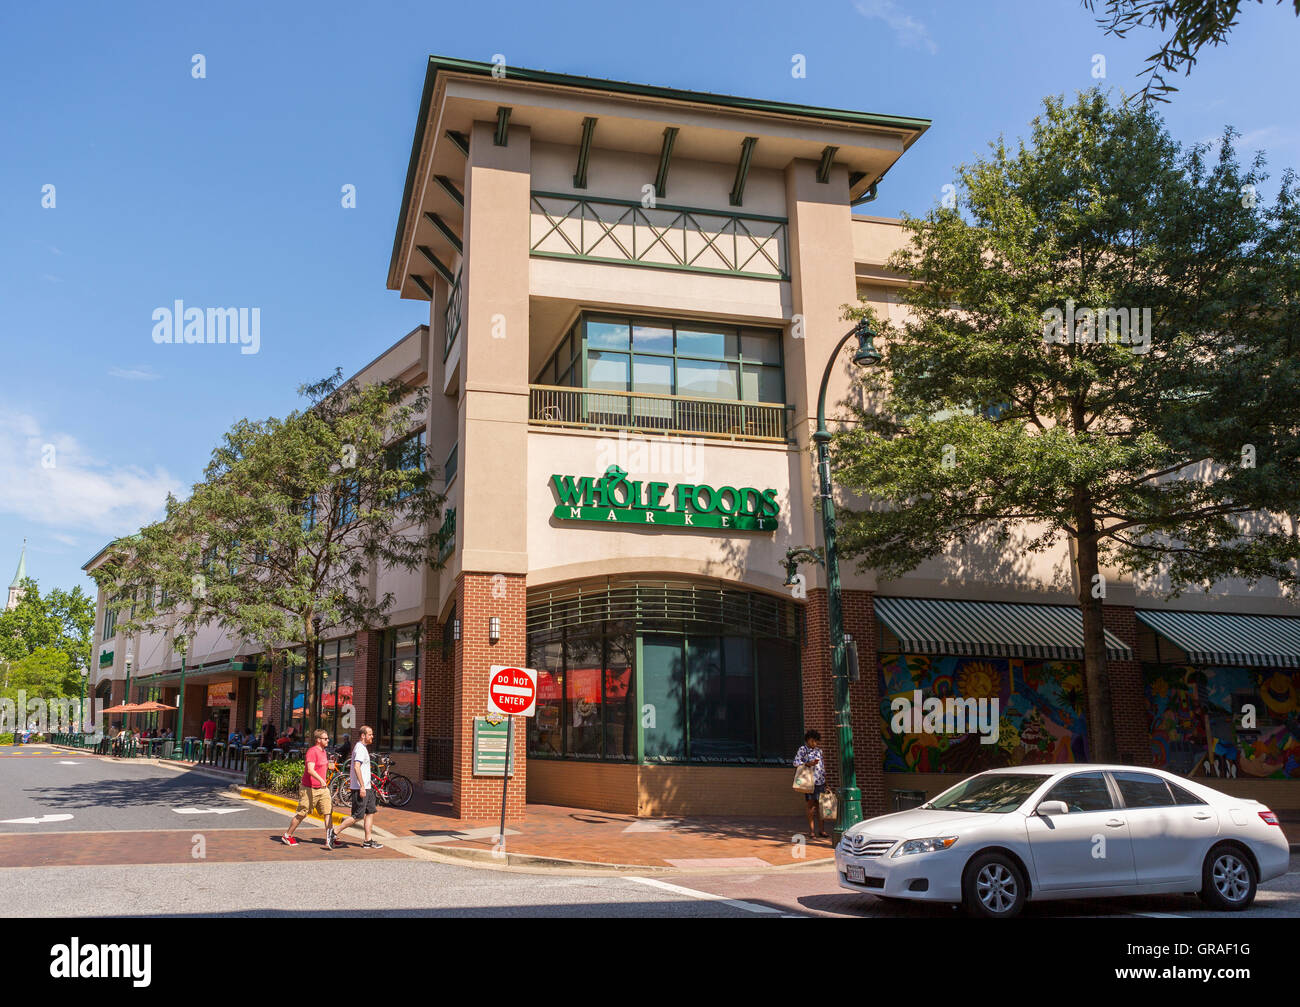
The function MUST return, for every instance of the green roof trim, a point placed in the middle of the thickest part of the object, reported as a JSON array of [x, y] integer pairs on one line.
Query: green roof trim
[[448, 64]]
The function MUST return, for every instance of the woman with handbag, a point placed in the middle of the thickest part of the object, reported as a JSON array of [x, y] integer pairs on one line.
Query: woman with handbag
[[810, 778]]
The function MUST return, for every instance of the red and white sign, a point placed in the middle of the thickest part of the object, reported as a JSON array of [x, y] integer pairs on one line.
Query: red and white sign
[[512, 691]]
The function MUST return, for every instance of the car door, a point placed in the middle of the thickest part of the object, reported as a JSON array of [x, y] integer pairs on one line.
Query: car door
[[1088, 848], [1170, 827]]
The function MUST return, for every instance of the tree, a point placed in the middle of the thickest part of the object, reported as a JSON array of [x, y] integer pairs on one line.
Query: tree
[[1196, 23], [60, 620], [45, 673], [278, 541], [1170, 454]]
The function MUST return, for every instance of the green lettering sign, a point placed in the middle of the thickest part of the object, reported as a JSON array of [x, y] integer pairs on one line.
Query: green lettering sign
[[615, 499]]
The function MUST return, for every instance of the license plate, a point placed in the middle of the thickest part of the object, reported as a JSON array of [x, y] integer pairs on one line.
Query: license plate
[[858, 875]]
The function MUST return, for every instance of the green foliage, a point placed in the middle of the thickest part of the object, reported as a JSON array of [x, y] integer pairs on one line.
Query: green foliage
[[37, 629], [281, 776], [7, 738], [1196, 24], [47, 673], [979, 429], [291, 517]]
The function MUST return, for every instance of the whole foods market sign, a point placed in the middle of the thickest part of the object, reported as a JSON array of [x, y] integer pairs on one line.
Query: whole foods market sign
[[614, 497]]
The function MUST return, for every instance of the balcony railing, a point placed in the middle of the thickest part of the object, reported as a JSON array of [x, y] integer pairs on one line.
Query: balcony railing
[[667, 237], [649, 413], [451, 317]]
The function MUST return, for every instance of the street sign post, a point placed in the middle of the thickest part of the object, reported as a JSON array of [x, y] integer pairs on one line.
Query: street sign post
[[512, 692]]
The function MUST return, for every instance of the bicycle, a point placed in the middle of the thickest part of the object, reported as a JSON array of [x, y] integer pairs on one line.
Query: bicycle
[[392, 789]]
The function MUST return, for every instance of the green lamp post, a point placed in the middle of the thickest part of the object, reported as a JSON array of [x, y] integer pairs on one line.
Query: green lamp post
[[126, 719], [180, 644], [850, 797], [84, 671]]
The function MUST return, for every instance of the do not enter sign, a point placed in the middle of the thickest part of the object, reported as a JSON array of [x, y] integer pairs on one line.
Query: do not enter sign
[[512, 691]]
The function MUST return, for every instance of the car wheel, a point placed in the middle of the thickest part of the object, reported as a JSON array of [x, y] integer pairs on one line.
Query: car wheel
[[994, 887], [1228, 879]]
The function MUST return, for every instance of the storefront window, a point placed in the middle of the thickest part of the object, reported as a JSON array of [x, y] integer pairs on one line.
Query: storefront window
[[717, 682], [399, 690]]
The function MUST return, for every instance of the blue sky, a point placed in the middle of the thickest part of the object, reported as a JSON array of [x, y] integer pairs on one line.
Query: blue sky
[[226, 190]]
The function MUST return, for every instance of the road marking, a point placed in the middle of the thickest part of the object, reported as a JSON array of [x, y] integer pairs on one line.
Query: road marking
[[206, 811], [35, 821], [65, 762], [1161, 916], [749, 907], [721, 863]]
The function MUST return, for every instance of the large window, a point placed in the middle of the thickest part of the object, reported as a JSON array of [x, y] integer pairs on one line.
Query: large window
[[661, 673], [665, 357], [399, 689]]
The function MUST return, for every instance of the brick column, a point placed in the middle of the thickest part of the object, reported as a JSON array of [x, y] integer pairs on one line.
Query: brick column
[[864, 699], [1127, 696], [273, 706], [818, 682], [437, 714], [365, 681], [479, 597]]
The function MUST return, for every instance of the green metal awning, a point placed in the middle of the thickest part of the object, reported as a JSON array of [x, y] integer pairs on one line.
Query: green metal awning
[[1251, 641], [990, 629], [200, 674]]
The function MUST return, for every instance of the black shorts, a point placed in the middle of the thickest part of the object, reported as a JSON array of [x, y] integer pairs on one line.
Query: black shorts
[[360, 807], [817, 792]]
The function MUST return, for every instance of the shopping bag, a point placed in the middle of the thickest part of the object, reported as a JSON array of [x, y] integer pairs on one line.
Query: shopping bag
[[830, 807], [805, 780]]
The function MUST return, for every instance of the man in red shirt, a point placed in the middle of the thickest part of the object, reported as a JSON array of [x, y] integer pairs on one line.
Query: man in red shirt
[[313, 793], [209, 728]]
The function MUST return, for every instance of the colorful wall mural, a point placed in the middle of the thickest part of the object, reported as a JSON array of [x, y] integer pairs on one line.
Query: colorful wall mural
[[1201, 722], [1040, 706]]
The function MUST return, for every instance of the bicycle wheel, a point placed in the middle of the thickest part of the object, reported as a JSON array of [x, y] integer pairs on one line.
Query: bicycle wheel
[[340, 793], [398, 790]]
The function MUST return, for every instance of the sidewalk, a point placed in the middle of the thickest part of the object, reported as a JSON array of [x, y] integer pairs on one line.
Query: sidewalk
[[581, 838]]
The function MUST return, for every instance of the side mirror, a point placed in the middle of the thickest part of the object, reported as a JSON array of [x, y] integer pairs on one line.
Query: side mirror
[[1048, 808]]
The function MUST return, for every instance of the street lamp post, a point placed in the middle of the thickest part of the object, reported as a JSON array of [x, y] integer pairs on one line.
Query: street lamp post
[[178, 750], [129, 656], [866, 356], [81, 710]]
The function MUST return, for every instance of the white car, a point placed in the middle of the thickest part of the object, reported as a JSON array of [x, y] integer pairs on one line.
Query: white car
[[1071, 831]]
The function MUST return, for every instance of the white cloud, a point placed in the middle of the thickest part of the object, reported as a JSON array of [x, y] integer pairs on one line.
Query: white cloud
[[140, 372], [77, 492], [910, 32]]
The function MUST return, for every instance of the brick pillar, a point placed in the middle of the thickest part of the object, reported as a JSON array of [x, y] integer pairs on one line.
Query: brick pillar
[[1128, 701], [196, 696], [273, 705], [479, 597], [864, 699], [365, 681], [437, 716], [819, 683]]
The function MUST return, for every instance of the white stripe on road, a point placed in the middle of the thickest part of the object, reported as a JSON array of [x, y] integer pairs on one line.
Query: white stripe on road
[[1161, 916], [749, 907]]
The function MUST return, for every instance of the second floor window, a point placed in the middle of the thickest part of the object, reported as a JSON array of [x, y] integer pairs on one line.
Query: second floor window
[[669, 357]]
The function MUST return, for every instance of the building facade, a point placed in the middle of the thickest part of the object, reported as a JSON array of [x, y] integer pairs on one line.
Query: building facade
[[633, 293]]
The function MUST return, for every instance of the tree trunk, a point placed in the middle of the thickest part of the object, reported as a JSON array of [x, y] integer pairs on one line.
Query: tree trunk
[[1101, 721]]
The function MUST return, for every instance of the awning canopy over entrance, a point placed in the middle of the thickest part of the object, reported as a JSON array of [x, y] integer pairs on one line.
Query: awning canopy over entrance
[[224, 671], [990, 629], [1251, 641]]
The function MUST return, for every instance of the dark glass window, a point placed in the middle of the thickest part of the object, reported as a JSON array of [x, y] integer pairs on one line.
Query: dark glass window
[[1183, 796], [1083, 792], [399, 690], [1141, 790]]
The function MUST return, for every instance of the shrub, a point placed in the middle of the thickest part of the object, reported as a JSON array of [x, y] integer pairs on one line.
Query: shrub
[[281, 776], [7, 738]]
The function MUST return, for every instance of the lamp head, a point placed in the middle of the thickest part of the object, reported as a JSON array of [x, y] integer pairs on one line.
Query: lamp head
[[867, 355]]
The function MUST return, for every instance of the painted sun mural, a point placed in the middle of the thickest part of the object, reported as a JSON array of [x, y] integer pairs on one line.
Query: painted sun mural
[[1224, 722], [1041, 707]]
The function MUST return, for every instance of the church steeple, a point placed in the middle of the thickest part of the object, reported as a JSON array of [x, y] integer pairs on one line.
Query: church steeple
[[16, 587]]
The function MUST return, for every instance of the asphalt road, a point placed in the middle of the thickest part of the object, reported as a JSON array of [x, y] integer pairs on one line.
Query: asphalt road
[[147, 840]]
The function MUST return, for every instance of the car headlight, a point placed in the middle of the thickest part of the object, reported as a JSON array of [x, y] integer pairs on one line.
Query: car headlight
[[924, 845]]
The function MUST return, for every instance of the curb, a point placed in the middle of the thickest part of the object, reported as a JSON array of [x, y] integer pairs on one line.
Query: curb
[[488, 858], [290, 804]]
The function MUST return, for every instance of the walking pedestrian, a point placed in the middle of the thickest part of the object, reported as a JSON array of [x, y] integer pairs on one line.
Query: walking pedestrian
[[313, 793], [363, 794], [810, 754]]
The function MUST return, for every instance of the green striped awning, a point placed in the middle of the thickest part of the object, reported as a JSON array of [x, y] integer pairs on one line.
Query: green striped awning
[[990, 629], [1251, 641]]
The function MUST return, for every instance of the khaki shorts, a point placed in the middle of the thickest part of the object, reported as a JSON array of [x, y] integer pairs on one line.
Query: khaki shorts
[[314, 799]]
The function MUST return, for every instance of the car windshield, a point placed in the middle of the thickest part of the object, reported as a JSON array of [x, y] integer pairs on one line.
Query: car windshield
[[990, 793]]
